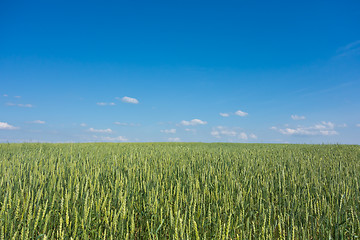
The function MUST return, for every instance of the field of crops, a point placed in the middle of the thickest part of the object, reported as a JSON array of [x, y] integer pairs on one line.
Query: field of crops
[[179, 191]]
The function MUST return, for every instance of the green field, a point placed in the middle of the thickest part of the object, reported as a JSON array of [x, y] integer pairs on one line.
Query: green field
[[179, 191]]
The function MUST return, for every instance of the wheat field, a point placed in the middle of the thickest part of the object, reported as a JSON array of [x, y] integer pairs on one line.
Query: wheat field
[[179, 191]]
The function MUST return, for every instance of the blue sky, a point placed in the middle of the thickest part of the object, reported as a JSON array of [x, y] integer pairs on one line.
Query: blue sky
[[209, 71]]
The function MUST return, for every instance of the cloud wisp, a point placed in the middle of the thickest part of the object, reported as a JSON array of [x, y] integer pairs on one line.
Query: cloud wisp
[[108, 130], [111, 139], [105, 104], [241, 113], [175, 139], [20, 105], [190, 130], [6, 126], [253, 136], [296, 117], [128, 100], [233, 133], [172, 131], [324, 129], [193, 122], [37, 122], [350, 49], [237, 113], [126, 124]]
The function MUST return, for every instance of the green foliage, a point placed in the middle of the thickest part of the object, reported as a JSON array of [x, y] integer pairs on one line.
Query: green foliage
[[179, 191]]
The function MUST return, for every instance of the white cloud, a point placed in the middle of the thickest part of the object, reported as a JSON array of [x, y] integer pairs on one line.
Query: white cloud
[[215, 133], [113, 139], [6, 126], [223, 131], [324, 128], [25, 105], [350, 49], [296, 117], [5, 95], [83, 124], [20, 105], [241, 113], [253, 136], [193, 122], [329, 132], [173, 130], [129, 100], [350, 45], [175, 139], [358, 125], [344, 125], [190, 130], [127, 124], [327, 125], [105, 104], [243, 136], [238, 113], [108, 130], [231, 133], [38, 122], [121, 124]]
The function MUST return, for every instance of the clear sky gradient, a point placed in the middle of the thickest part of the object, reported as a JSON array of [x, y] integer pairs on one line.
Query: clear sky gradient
[[209, 71]]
